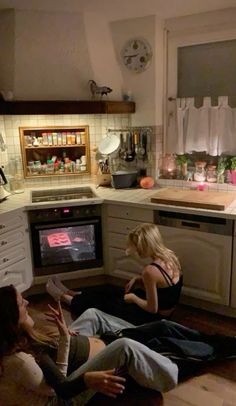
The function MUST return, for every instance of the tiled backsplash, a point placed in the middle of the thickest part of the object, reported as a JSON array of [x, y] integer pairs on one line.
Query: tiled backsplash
[[98, 125]]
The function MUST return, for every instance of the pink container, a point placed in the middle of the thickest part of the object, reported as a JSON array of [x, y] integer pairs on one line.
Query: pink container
[[233, 177]]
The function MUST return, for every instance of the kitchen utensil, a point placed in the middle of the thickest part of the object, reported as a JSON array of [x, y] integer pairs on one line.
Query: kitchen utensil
[[109, 144], [194, 198], [122, 151], [124, 179], [130, 148], [3, 181]]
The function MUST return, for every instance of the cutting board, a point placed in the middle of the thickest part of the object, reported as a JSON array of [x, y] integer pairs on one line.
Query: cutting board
[[194, 198]]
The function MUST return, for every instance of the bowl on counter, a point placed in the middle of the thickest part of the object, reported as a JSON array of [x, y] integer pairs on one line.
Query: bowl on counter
[[124, 179]]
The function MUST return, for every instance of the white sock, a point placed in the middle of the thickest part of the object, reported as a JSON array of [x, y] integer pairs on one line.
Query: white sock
[[53, 290], [59, 284]]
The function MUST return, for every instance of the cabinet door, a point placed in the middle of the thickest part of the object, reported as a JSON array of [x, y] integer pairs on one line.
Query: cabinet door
[[123, 266], [15, 252], [11, 221], [206, 262]]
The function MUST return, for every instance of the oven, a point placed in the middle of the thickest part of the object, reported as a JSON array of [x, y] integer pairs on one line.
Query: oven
[[66, 239]]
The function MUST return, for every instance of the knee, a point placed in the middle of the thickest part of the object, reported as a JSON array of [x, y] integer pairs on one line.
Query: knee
[[90, 313]]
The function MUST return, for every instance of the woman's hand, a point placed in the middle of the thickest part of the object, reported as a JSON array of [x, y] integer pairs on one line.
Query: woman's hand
[[57, 317], [130, 284], [105, 382], [130, 298]]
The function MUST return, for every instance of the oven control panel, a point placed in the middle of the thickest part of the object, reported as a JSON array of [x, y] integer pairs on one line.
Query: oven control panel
[[70, 212]]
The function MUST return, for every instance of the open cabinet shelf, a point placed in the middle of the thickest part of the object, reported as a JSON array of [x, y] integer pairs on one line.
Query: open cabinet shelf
[[55, 151]]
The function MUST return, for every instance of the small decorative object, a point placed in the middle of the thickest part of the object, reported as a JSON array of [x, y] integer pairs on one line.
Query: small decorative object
[[98, 90], [211, 174], [136, 55], [201, 186], [233, 170], [200, 173], [169, 166]]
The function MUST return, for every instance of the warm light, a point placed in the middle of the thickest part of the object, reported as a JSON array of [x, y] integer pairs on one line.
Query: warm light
[[201, 186]]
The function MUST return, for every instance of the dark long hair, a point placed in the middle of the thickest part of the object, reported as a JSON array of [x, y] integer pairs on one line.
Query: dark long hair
[[9, 320], [12, 337]]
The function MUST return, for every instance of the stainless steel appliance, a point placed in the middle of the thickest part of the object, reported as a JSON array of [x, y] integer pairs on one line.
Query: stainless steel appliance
[[66, 239], [51, 195], [203, 245]]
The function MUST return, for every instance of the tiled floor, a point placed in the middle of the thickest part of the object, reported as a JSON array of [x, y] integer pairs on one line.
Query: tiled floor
[[215, 387]]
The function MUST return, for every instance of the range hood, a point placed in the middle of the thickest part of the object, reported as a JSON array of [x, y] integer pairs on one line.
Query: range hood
[[65, 107]]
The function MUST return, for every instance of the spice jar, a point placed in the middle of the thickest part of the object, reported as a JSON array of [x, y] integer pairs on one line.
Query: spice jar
[[211, 173], [200, 172]]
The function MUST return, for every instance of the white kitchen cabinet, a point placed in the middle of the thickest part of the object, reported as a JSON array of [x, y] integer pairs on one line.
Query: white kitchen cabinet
[[120, 220], [206, 262], [15, 253]]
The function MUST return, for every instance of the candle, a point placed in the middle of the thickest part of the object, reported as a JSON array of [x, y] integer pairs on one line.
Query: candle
[[201, 186]]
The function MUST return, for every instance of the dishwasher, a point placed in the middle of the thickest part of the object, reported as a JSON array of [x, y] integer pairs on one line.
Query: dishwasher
[[203, 245]]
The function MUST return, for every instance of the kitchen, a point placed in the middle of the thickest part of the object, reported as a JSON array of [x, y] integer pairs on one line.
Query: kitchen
[[39, 78]]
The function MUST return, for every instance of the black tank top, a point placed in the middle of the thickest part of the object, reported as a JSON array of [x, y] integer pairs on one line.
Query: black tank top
[[168, 297]]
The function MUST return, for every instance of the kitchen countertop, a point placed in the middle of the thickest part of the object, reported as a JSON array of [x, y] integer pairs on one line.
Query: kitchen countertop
[[133, 197]]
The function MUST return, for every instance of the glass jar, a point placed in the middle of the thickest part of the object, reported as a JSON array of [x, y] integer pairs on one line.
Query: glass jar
[[211, 174], [200, 172]]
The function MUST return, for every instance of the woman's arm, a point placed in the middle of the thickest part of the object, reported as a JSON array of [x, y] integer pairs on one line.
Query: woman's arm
[[150, 304], [28, 374], [100, 381]]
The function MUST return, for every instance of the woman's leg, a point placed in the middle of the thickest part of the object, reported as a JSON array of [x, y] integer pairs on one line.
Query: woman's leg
[[94, 321], [146, 367]]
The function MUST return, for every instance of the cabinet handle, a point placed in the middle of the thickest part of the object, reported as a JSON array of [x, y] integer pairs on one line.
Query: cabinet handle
[[5, 259], [3, 242]]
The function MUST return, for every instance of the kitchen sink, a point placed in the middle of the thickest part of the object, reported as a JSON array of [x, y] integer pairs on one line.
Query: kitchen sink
[[50, 195]]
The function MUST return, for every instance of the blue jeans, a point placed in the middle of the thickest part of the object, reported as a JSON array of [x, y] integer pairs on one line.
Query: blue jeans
[[145, 366]]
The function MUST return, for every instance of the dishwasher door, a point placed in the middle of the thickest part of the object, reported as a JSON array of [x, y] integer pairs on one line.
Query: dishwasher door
[[204, 248]]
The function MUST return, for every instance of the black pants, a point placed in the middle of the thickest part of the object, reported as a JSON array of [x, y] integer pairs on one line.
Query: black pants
[[111, 300]]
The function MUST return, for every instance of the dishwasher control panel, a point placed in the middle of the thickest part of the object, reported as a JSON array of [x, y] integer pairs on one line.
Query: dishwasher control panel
[[215, 225]]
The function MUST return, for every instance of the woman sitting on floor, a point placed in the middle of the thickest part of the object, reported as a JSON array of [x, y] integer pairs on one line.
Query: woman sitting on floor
[[160, 283], [87, 361]]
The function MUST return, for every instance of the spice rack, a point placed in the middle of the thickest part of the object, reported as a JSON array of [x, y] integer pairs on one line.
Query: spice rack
[[55, 151]]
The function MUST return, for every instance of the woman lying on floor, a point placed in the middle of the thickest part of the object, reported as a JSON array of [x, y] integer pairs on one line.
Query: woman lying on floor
[[186, 348], [87, 361]]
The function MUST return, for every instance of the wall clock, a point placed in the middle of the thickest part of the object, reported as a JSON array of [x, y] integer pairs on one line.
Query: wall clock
[[136, 55]]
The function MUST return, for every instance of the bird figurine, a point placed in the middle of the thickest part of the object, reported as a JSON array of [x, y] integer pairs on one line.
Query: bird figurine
[[98, 90]]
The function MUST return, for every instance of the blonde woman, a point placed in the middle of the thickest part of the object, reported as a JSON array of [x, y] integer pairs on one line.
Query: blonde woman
[[151, 296], [161, 280]]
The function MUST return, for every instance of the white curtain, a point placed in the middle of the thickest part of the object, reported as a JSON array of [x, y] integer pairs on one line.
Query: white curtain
[[207, 128]]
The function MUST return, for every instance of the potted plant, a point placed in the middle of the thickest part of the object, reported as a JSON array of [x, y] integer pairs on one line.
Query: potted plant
[[233, 170], [221, 167], [182, 162]]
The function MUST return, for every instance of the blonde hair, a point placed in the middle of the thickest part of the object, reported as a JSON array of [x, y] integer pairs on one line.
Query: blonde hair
[[147, 241]]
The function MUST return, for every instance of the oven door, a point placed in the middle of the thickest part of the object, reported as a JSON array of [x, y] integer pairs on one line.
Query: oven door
[[65, 246]]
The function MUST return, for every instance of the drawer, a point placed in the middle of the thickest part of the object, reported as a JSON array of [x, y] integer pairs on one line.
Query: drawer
[[11, 257], [121, 226], [117, 240], [15, 275], [131, 213], [10, 240], [10, 222]]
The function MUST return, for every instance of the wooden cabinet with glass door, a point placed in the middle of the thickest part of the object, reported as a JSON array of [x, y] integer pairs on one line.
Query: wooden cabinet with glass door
[[55, 151]]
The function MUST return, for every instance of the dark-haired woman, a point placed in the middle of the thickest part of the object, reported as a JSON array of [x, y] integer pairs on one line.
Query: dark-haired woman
[[22, 349]]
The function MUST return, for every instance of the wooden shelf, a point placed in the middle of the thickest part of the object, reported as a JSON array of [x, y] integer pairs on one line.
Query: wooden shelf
[[56, 146], [66, 107]]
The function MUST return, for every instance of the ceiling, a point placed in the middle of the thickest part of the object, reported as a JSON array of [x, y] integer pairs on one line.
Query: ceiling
[[117, 9]]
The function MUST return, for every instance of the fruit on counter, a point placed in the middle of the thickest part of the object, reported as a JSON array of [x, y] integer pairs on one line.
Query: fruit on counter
[[147, 182]]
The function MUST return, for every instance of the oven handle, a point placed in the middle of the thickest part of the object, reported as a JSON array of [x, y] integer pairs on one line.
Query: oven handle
[[66, 224]]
